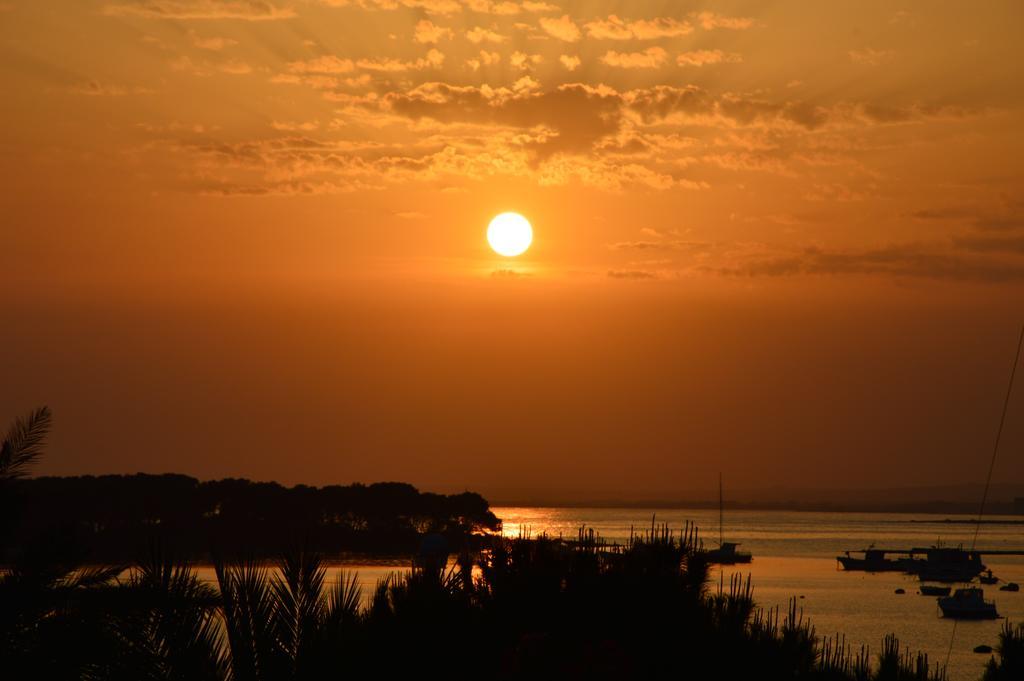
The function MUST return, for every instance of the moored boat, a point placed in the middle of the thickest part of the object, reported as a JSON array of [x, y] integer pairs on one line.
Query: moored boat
[[949, 565], [968, 604], [932, 590], [988, 578], [728, 554], [875, 560]]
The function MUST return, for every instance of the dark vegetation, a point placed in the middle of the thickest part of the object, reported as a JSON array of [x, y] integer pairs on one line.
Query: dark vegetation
[[113, 517], [1010, 664], [536, 608]]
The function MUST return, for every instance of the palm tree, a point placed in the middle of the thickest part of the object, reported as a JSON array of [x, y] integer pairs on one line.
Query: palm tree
[[52, 612]]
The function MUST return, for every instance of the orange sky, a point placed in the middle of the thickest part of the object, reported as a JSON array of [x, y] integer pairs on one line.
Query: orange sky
[[780, 239]]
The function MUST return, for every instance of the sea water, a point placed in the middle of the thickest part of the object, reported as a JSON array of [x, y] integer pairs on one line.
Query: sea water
[[795, 557]]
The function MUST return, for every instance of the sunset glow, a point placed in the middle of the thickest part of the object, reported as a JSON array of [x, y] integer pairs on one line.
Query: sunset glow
[[510, 234], [688, 292], [758, 228]]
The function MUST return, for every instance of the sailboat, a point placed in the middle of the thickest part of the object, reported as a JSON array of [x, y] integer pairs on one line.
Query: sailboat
[[727, 553]]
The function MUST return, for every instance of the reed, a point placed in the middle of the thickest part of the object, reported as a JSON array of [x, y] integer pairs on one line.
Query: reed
[[1010, 650]]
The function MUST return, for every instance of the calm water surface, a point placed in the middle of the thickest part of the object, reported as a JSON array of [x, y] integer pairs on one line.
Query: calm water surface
[[794, 555]]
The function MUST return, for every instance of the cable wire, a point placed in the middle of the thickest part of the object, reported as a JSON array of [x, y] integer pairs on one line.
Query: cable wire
[[991, 468]]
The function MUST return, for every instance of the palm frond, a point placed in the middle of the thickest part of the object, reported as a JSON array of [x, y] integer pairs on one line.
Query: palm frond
[[343, 599], [248, 606], [91, 577], [168, 621], [23, 444], [299, 595]]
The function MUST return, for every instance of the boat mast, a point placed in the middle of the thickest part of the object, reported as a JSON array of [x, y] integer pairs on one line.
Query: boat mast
[[721, 511]]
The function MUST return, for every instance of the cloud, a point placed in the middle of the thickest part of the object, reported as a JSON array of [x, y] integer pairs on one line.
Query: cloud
[[991, 244], [440, 7], [330, 64], [427, 32], [433, 59], [614, 28], [659, 244], [871, 57], [571, 63], [569, 118], [1003, 218], [899, 260], [1000, 222], [479, 35], [705, 57], [710, 21], [563, 28], [651, 58], [833, 192], [631, 274], [205, 68], [486, 59], [436, 128], [693, 105], [943, 213], [325, 64], [214, 44], [506, 8], [301, 165], [509, 274], [248, 10], [743, 161], [523, 61], [94, 88], [534, 6], [449, 7], [902, 16], [290, 126]]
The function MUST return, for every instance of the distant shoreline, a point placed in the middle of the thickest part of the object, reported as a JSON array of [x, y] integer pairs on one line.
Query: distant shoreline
[[1002, 508]]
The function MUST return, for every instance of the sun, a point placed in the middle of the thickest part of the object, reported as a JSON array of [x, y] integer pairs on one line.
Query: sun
[[510, 234]]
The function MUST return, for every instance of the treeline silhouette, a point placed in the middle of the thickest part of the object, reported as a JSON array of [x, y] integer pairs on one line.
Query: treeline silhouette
[[114, 516], [526, 608]]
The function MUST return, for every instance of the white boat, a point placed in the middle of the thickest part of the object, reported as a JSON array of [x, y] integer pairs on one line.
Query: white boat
[[968, 604]]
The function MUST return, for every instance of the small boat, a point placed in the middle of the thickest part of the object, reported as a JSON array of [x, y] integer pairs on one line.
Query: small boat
[[1012, 586], [727, 552], [988, 578], [932, 590], [874, 560], [968, 604]]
